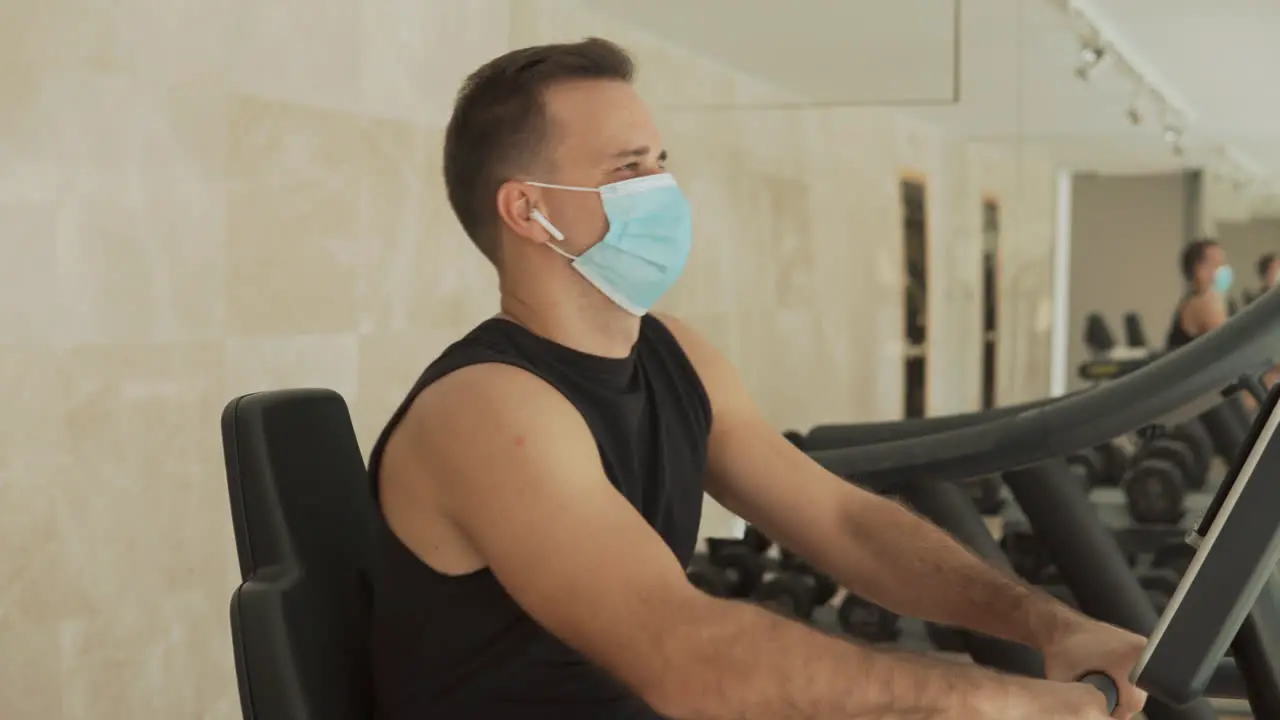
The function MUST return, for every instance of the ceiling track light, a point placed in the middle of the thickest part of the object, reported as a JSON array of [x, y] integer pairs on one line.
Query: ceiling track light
[[1091, 55], [1172, 134], [1134, 114]]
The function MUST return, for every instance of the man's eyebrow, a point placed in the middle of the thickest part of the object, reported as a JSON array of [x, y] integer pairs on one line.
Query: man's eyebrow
[[639, 153]]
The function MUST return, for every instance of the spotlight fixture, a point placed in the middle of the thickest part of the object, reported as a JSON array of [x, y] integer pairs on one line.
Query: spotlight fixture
[[1134, 115], [1172, 134], [1091, 54]]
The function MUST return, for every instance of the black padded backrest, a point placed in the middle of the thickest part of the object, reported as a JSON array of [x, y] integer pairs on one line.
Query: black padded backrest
[[304, 521], [1135, 335], [1097, 335]]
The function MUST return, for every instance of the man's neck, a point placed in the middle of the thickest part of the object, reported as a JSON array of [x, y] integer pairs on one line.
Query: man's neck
[[582, 319]]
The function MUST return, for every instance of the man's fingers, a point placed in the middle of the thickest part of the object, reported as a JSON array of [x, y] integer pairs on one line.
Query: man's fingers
[[1131, 702]]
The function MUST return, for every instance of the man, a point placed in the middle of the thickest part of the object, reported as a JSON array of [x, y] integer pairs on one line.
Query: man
[[1268, 271], [542, 482], [1204, 306]]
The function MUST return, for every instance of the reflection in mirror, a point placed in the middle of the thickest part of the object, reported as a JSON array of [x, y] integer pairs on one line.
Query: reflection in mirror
[[990, 298], [915, 254]]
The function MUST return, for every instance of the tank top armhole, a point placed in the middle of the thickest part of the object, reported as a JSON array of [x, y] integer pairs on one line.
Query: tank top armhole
[[448, 364]]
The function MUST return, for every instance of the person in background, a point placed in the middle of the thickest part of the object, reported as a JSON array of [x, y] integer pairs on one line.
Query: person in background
[[1204, 306], [1268, 272]]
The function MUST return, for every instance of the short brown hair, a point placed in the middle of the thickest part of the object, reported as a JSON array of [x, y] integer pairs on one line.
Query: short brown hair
[[1264, 264], [499, 124], [1193, 254]]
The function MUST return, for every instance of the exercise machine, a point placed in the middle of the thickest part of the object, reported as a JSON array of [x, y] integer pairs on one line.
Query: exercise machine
[[1230, 595], [303, 518], [1027, 446]]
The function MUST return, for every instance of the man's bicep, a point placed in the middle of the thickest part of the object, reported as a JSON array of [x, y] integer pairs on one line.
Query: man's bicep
[[526, 488]]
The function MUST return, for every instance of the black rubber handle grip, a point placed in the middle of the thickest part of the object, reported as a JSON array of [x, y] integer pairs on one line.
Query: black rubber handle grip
[[1104, 685]]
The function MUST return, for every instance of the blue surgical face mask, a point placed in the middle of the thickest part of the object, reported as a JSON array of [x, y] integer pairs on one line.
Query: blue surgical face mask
[[1222, 279], [648, 243]]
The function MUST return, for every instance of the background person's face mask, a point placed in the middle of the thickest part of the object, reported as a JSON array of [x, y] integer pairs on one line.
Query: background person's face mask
[[647, 245], [1223, 277]]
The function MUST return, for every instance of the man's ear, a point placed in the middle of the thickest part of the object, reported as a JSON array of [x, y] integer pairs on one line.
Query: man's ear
[[516, 205]]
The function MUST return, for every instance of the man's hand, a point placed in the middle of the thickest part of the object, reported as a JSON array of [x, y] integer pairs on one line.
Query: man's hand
[[1093, 646], [1047, 700]]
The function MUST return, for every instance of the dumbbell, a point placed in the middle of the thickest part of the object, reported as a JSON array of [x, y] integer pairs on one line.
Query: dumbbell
[[1100, 466], [797, 590], [1155, 488], [865, 620], [742, 569], [707, 577], [757, 541], [986, 494], [1199, 444]]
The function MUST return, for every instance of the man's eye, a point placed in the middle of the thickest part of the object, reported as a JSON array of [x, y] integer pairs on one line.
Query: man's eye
[[630, 167]]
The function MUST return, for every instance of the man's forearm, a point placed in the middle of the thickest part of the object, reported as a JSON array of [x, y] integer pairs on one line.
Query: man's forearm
[[742, 662], [909, 565]]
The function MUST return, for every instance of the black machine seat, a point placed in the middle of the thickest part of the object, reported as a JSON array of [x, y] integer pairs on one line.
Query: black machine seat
[[304, 522]]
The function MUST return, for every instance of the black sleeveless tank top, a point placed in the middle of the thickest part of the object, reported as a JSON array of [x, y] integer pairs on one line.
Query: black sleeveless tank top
[[458, 647], [1178, 335]]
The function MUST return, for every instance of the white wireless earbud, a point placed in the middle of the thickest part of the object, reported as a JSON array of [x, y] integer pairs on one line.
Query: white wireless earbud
[[537, 216]]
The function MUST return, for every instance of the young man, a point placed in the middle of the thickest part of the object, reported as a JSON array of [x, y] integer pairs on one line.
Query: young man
[[1268, 271], [542, 482], [1204, 306]]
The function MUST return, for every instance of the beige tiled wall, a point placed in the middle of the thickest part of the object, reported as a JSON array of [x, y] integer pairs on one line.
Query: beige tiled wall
[[203, 198]]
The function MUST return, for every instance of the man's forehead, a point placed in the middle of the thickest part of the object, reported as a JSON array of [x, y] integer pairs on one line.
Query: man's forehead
[[600, 118]]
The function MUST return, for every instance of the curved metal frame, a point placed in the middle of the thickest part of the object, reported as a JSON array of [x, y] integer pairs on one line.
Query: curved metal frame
[[1249, 343]]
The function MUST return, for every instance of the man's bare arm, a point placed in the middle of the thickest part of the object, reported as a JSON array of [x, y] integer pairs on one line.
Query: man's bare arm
[[1206, 312], [514, 467], [870, 544]]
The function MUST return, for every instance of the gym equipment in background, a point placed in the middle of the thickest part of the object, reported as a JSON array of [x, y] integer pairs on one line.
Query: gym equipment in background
[[867, 621], [1103, 465], [1097, 335], [1026, 555], [1175, 557], [1167, 465], [707, 577], [987, 494], [944, 638], [1134, 334], [795, 437], [796, 591], [741, 569], [1230, 594], [756, 540]]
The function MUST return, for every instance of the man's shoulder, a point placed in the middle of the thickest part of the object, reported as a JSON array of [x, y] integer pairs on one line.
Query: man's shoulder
[[488, 392]]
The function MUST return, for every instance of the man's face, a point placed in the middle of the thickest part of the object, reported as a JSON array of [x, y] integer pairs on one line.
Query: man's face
[[601, 132], [1272, 274], [1214, 258]]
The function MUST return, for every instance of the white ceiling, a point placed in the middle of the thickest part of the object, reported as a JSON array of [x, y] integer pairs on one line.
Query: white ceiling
[[821, 51], [1212, 59]]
